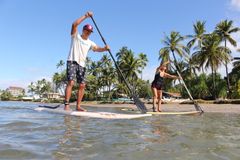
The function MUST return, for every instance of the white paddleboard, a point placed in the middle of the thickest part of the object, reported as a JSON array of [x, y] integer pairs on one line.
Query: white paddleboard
[[166, 113], [175, 113], [104, 115]]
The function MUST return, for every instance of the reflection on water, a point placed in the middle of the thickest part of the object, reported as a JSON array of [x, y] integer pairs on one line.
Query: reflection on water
[[28, 134]]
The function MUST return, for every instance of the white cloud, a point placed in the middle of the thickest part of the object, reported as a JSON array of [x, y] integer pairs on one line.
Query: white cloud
[[235, 4]]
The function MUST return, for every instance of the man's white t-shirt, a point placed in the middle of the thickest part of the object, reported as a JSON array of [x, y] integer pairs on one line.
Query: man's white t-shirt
[[79, 49]]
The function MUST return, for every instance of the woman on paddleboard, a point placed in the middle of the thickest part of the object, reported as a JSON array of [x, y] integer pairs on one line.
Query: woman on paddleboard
[[157, 85]]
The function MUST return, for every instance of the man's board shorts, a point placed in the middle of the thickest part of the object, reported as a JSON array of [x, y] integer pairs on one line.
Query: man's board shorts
[[74, 70]]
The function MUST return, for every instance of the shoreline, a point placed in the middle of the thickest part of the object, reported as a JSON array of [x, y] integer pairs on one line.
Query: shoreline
[[171, 107], [176, 107]]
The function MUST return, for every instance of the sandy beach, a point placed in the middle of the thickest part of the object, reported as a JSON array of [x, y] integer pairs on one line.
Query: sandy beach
[[214, 108]]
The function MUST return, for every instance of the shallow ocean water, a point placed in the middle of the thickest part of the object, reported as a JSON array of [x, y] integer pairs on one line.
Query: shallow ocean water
[[28, 134]]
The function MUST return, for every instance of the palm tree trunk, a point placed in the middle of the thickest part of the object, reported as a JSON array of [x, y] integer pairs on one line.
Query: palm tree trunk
[[203, 70], [228, 82], [175, 59], [214, 85], [109, 90]]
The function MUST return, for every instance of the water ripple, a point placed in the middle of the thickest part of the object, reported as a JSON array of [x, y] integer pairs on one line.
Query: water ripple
[[27, 134]]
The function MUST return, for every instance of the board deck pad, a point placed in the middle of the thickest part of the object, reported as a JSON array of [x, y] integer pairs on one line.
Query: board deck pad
[[104, 115]]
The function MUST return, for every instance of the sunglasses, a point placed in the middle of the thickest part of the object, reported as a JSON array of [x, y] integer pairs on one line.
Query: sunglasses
[[88, 31]]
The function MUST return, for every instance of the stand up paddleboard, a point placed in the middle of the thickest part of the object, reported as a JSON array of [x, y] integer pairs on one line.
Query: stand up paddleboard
[[175, 113], [104, 115], [165, 113]]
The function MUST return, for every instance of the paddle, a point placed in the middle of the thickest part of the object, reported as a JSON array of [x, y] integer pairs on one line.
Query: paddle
[[236, 58], [50, 107], [196, 105], [140, 105]]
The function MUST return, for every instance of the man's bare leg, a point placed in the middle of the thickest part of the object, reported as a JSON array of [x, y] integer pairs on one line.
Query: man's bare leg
[[68, 93], [80, 96]]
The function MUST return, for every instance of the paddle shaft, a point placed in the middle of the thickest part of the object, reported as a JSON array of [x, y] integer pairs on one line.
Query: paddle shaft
[[185, 86], [137, 101], [124, 79]]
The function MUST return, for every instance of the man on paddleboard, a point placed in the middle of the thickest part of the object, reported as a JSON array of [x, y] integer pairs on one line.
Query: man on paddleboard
[[80, 46]]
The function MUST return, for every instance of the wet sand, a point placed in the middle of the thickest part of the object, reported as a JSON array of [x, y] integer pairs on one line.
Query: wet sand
[[214, 108]]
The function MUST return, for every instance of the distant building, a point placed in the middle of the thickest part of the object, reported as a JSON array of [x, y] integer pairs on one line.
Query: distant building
[[16, 91], [52, 96]]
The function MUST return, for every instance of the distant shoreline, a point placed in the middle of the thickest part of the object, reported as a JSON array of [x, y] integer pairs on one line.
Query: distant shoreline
[[171, 101], [173, 107]]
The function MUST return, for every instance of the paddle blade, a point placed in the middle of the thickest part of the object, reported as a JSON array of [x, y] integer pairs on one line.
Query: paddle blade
[[197, 107], [50, 107], [140, 105]]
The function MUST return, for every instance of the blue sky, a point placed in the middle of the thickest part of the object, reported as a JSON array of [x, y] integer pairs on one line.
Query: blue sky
[[35, 35]]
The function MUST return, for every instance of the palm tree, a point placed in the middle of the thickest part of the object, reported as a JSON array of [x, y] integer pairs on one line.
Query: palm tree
[[31, 88], [60, 65], [143, 62], [211, 55], [88, 64], [224, 29], [130, 66], [173, 44], [199, 33], [108, 77], [60, 81], [234, 76], [122, 52]]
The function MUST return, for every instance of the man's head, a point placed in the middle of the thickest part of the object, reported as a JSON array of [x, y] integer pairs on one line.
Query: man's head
[[88, 27], [87, 30]]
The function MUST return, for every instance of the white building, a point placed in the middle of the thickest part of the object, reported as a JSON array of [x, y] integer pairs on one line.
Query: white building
[[16, 91]]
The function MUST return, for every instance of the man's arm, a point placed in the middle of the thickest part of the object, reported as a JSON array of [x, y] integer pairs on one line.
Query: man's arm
[[100, 49], [78, 21]]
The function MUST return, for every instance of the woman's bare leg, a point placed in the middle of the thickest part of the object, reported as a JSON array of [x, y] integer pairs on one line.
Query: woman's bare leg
[[159, 93], [154, 92]]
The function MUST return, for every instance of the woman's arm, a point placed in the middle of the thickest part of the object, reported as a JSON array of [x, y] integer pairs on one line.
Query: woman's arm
[[170, 76]]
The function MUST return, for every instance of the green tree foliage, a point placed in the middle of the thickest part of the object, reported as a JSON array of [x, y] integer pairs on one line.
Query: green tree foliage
[[199, 33], [143, 89], [197, 86], [130, 66], [224, 29], [6, 96], [40, 87], [212, 55], [173, 44], [60, 81], [234, 78], [220, 88]]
